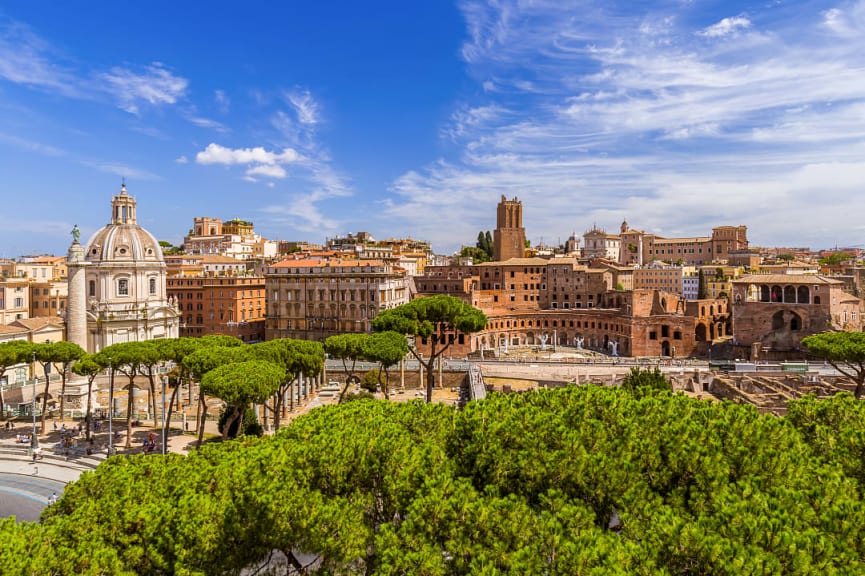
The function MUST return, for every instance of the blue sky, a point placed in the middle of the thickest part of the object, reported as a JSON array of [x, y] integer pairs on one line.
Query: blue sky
[[314, 119]]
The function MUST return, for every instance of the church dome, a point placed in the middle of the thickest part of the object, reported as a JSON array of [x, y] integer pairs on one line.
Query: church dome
[[123, 240]]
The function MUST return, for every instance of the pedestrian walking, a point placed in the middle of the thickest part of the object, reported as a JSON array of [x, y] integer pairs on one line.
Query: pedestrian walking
[[52, 499]]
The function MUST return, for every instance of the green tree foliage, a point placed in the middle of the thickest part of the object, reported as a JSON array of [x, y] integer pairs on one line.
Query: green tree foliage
[[61, 354], [371, 380], [702, 289], [350, 348], [90, 367], [845, 351], [298, 358], [583, 480], [834, 259], [477, 255], [485, 243], [641, 382], [214, 352], [433, 319], [388, 349], [128, 358], [786, 257], [12, 353], [240, 383]]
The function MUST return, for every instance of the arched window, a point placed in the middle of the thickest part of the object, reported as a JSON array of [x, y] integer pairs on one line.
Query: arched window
[[802, 295], [764, 293], [776, 294], [123, 287], [790, 294], [153, 286]]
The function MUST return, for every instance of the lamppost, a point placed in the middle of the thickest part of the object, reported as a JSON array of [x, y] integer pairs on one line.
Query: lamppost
[[34, 440], [110, 408]]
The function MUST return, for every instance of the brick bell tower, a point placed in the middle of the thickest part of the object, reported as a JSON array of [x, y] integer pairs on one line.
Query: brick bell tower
[[509, 237]]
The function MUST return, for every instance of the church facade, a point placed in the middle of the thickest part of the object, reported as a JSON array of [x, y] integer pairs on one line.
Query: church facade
[[117, 284]]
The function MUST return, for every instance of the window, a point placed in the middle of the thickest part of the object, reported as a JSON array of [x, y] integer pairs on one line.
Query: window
[[123, 287], [91, 288], [153, 286]]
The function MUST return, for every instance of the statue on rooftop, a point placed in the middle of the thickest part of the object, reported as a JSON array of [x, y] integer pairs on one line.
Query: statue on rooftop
[[76, 234]]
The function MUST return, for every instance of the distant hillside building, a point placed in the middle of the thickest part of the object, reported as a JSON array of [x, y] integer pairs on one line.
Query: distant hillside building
[[774, 312], [235, 238]]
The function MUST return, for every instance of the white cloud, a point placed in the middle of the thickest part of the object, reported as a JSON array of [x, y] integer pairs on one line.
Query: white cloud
[[27, 59], [269, 170], [208, 123], [155, 85], [305, 106], [216, 154], [846, 22], [182, 160], [726, 27], [631, 114]]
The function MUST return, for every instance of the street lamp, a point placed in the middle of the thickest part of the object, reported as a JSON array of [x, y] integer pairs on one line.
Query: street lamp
[[110, 408], [34, 440]]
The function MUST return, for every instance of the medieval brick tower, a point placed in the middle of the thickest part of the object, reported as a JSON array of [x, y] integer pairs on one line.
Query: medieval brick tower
[[509, 237]]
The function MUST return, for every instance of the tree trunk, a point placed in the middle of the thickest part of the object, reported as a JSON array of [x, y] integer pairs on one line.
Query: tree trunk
[[202, 408], [153, 398], [277, 407], [385, 385], [170, 407], [860, 387], [226, 426]]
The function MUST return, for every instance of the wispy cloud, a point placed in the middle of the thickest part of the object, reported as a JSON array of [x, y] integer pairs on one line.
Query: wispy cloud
[[223, 102], [639, 113], [726, 27], [38, 147], [154, 84], [208, 123], [27, 59], [121, 170], [306, 107]]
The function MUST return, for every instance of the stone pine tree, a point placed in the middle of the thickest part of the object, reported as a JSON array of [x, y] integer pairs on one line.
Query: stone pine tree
[[701, 285], [844, 351], [12, 353], [386, 348], [433, 319]]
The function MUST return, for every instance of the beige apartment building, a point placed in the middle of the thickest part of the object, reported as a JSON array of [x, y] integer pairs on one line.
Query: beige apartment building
[[14, 300], [48, 299], [312, 299], [665, 278]]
